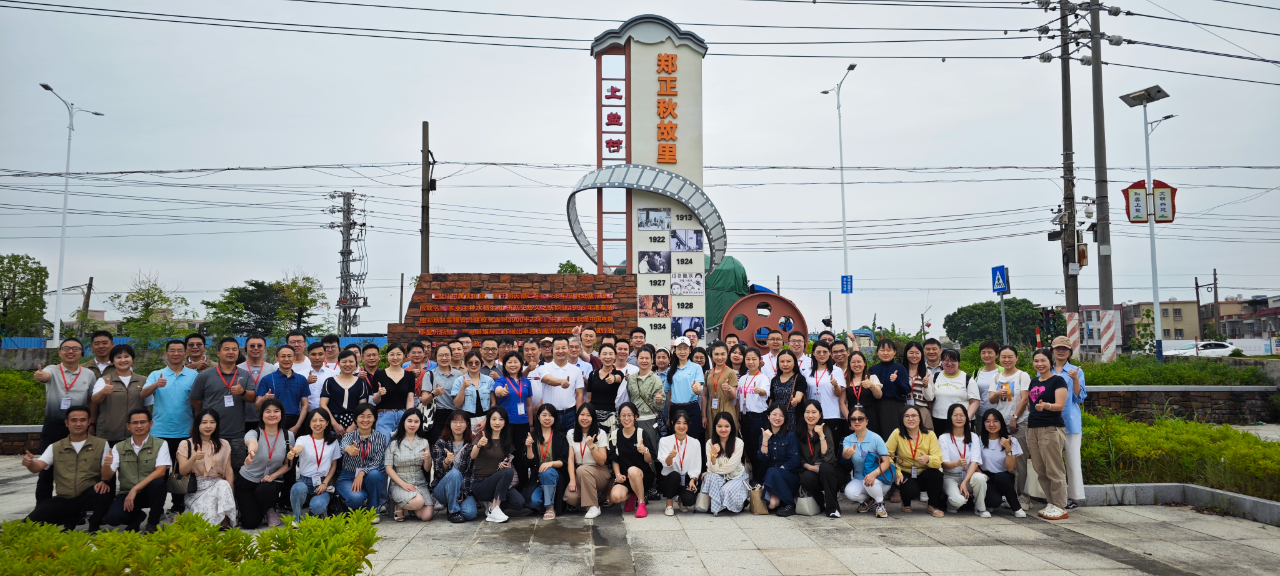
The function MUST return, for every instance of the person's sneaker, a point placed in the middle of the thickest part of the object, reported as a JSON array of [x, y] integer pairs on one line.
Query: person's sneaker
[[1052, 512], [496, 515], [784, 511], [295, 524], [880, 511], [952, 509], [94, 527], [135, 527], [641, 510], [865, 505], [1072, 504], [592, 512], [273, 518], [377, 519], [1019, 513], [631, 504], [151, 528], [439, 507], [457, 518], [834, 514], [670, 511], [981, 513]]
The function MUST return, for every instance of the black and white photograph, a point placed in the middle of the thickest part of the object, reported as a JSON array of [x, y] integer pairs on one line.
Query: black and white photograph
[[654, 262], [686, 240], [654, 306], [681, 323], [653, 218], [687, 284]]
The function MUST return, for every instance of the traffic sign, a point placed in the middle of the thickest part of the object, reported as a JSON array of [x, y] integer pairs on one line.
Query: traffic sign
[[846, 284], [1000, 279]]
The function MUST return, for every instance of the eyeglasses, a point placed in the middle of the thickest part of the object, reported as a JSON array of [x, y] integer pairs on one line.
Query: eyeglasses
[[255, 346], [71, 349], [473, 363], [858, 419]]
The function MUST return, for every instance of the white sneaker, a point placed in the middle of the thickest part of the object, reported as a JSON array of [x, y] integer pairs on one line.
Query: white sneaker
[[495, 515], [592, 512], [669, 511], [1020, 513], [982, 513], [439, 507]]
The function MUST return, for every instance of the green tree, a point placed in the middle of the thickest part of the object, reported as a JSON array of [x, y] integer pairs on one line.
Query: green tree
[[981, 321], [257, 308], [303, 298], [568, 267], [22, 285], [1144, 333], [150, 311]]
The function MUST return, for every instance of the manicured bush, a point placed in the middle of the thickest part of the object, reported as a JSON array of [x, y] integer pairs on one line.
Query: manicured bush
[[21, 399], [1143, 370], [1115, 450], [191, 546]]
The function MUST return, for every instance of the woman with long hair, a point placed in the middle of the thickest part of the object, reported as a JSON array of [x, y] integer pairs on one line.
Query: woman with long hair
[[753, 402], [1000, 453], [700, 357], [208, 456], [860, 391], [1076, 393], [603, 384], [473, 392], [863, 448], [491, 458], [919, 461], [819, 474], [1046, 433], [262, 477], [394, 386], [918, 372], [826, 385], [644, 388], [788, 388], [681, 457], [661, 367], [961, 457], [363, 479], [952, 386], [547, 449], [725, 478], [453, 471], [342, 393], [737, 359], [631, 450], [408, 460], [780, 457], [589, 478], [318, 459], [1014, 385], [722, 388], [514, 393]]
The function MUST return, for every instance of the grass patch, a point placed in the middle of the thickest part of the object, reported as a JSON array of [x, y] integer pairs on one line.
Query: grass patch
[[1117, 451]]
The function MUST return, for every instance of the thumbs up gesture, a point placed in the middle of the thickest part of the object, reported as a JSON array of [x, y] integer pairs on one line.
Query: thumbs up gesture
[[484, 440], [766, 434], [818, 429], [28, 458], [161, 381], [312, 378], [200, 453], [351, 450], [715, 450], [295, 451], [40, 375], [382, 390], [529, 441], [108, 460]]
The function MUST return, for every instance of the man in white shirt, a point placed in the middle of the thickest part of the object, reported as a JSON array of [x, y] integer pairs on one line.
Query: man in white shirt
[[83, 488], [933, 356], [797, 342], [315, 371], [638, 337], [331, 343], [575, 356], [142, 479], [769, 362], [561, 382]]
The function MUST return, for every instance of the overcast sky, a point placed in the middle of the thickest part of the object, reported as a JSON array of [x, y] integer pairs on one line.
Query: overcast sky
[[180, 96]]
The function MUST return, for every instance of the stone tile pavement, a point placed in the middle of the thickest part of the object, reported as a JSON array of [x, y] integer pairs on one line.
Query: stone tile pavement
[[1098, 541]]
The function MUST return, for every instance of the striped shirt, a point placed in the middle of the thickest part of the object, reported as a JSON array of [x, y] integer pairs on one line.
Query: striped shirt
[[370, 453]]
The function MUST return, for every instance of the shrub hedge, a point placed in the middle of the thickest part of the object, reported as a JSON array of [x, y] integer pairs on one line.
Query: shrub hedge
[[1144, 371], [191, 546], [1115, 450], [21, 398]]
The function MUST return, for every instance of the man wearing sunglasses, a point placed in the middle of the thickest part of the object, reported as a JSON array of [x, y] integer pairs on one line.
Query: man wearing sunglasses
[[255, 349], [65, 385]]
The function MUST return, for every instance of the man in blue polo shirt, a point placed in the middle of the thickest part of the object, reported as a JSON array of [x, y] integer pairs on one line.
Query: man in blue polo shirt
[[171, 386], [287, 386]]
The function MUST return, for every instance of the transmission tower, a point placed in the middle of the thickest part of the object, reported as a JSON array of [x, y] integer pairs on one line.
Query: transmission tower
[[353, 265]]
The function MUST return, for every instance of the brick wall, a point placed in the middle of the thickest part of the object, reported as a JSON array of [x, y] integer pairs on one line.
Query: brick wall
[[620, 306], [12, 443], [1214, 404]]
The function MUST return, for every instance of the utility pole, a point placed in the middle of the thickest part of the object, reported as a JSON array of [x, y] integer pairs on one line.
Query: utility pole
[[84, 310], [1199, 323], [351, 284], [1216, 327], [1106, 294], [428, 184], [1069, 240], [779, 284], [400, 310]]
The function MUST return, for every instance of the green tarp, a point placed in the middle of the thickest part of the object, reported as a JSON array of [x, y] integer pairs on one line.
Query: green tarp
[[724, 287]]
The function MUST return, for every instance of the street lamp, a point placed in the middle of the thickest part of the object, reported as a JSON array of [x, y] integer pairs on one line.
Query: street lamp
[[62, 242], [844, 222], [1142, 98]]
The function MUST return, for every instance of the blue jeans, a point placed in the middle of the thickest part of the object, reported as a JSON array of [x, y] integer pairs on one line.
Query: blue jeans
[[388, 421], [371, 489], [545, 496], [446, 492], [298, 494], [567, 419]]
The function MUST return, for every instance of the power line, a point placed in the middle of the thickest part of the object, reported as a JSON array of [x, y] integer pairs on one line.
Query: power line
[[1185, 21], [1215, 34], [1192, 74], [1243, 4], [911, 3], [1140, 43]]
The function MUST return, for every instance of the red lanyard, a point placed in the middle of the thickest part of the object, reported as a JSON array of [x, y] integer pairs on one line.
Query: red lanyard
[[365, 447], [582, 451], [261, 368], [66, 384], [857, 391], [748, 388], [545, 448], [715, 376], [519, 389], [682, 449], [319, 451], [271, 449], [919, 437], [808, 439], [817, 382], [326, 366], [962, 448], [224, 378]]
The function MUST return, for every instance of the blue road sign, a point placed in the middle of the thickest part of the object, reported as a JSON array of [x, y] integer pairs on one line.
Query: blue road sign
[[846, 284], [1000, 279]]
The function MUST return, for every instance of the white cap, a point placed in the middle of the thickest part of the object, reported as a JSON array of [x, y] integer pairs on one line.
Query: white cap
[[679, 341]]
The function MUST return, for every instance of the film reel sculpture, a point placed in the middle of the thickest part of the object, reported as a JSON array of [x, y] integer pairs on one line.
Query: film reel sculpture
[[752, 316]]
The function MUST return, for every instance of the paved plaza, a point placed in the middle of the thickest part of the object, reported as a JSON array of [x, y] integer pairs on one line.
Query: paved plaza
[[1098, 541]]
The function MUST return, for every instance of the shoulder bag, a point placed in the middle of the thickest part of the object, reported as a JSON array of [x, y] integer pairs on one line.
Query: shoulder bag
[[807, 505], [178, 484]]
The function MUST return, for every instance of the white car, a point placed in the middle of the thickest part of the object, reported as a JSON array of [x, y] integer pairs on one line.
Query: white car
[[1206, 349]]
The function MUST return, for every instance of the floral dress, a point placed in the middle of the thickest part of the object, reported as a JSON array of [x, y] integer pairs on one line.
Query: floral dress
[[405, 457]]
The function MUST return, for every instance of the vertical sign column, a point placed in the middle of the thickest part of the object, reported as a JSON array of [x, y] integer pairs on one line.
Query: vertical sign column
[[614, 135]]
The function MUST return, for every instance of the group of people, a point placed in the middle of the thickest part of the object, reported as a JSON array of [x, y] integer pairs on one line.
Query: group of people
[[564, 423]]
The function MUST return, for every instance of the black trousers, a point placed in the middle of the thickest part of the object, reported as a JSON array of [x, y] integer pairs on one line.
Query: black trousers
[[253, 499], [823, 485], [694, 410], [928, 481], [440, 423], [839, 427], [66, 511], [150, 497], [1002, 485], [179, 502], [520, 462], [889, 415], [752, 424], [498, 486], [52, 431], [674, 487]]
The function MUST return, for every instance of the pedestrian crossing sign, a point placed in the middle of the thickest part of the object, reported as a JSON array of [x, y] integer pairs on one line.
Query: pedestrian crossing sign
[[1000, 279]]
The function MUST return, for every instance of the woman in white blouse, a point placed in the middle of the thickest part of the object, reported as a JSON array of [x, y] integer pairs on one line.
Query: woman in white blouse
[[681, 457], [589, 479], [725, 480], [951, 386], [961, 457]]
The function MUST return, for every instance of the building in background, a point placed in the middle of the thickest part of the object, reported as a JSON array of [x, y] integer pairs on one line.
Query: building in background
[[1091, 327], [1178, 319]]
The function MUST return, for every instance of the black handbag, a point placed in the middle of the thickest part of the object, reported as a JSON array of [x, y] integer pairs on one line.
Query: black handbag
[[337, 506], [179, 484]]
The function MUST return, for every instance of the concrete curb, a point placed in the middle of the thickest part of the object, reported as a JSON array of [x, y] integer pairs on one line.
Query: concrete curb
[[1183, 388], [1238, 505], [20, 429]]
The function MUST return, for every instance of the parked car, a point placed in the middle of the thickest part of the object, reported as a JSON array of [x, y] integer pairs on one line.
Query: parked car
[[1207, 349]]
